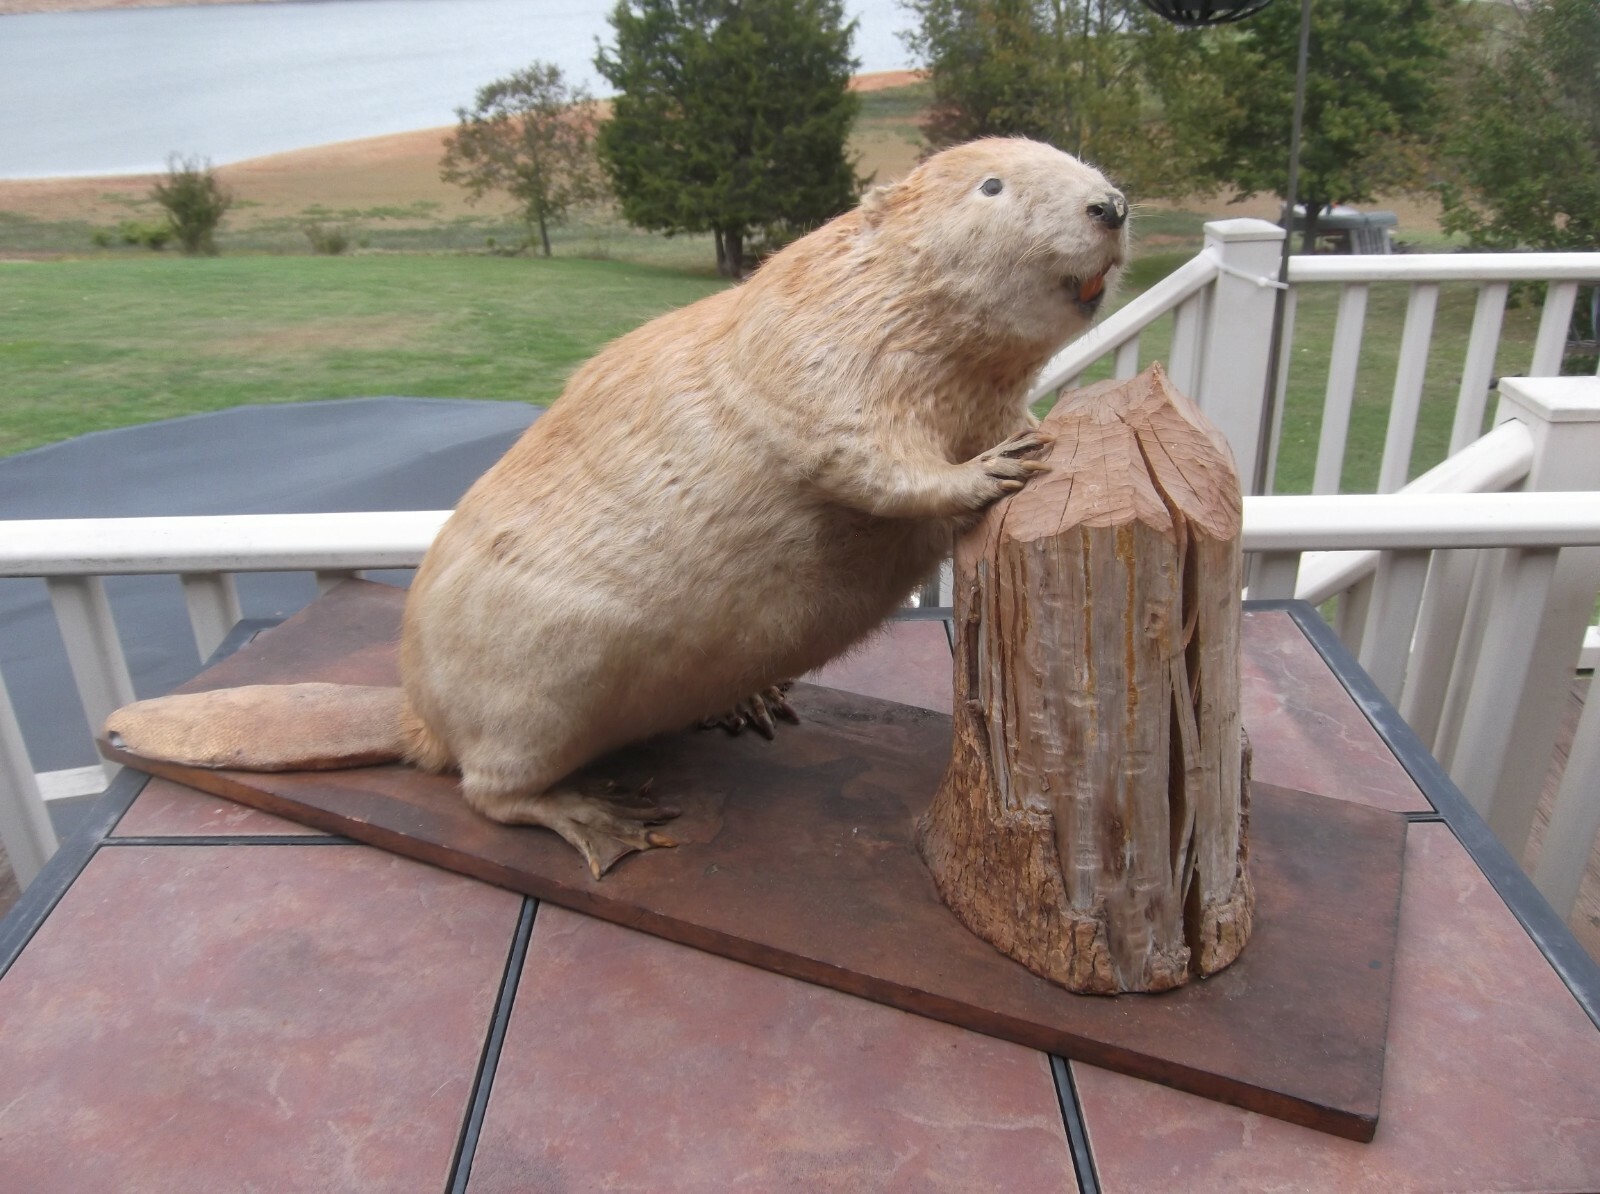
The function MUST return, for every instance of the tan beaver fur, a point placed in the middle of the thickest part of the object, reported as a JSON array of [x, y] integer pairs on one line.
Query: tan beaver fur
[[739, 490]]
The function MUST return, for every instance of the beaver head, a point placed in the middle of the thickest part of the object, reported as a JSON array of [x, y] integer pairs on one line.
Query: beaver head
[[1012, 233]]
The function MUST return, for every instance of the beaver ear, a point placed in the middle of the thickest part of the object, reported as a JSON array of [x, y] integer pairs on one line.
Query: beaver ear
[[879, 200]]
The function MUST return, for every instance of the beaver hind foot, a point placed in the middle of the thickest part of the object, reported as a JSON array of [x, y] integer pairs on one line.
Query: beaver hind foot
[[603, 828]]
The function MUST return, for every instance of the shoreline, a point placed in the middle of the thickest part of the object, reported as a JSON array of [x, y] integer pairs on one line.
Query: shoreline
[[391, 178], [355, 148]]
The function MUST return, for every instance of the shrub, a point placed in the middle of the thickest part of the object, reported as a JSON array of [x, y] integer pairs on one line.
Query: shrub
[[195, 201], [328, 240], [151, 236]]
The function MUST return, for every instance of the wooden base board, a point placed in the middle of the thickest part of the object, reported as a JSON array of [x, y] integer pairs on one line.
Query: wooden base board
[[796, 856]]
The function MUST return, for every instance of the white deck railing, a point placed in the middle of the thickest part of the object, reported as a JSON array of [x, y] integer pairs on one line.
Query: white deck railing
[[1406, 530], [1467, 603], [1220, 305]]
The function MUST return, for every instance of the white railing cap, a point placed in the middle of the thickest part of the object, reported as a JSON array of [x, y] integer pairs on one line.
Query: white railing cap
[[1341, 522], [1244, 228], [1447, 267], [216, 543], [1556, 399], [289, 542]]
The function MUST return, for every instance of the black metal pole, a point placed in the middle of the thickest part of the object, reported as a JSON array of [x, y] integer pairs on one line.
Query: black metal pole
[[1269, 400]]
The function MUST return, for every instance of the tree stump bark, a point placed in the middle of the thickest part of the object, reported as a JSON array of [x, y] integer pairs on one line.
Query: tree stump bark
[[1093, 820]]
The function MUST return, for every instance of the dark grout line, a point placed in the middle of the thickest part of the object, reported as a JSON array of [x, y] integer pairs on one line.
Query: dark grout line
[[224, 839], [472, 1128], [1077, 1130]]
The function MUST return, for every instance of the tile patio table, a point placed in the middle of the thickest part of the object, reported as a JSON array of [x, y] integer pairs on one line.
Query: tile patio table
[[198, 996]]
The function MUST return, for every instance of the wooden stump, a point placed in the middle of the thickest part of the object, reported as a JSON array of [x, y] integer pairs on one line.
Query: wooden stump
[[1092, 822]]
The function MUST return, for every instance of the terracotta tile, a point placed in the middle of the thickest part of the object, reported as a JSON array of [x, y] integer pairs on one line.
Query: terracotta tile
[[1307, 732], [907, 662], [632, 1063], [209, 1018], [1492, 1080], [166, 809]]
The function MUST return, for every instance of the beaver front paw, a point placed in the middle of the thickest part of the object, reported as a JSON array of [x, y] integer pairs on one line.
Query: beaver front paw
[[757, 711], [1005, 468]]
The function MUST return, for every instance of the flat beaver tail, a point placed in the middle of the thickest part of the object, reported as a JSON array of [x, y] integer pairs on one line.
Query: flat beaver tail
[[265, 727]]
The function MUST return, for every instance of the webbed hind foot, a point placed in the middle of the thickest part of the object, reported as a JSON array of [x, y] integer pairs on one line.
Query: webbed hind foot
[[601, 828]]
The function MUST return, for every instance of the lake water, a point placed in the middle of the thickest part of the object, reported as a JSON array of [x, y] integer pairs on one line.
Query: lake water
[[117, 91]]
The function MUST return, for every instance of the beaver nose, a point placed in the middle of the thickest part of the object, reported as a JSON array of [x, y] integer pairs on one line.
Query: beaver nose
[[1112, 211]]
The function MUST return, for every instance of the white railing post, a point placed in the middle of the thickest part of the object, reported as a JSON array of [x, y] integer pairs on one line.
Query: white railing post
[[25, 828], [1437, 645], [1341, 392], [1415, 343], [1467, 651], [1575, 819], [1236, 339], [1272, 575], [94, 651], [1542, 605], [1551, 342], [213, 602], [1477, 371], [1397, 589]]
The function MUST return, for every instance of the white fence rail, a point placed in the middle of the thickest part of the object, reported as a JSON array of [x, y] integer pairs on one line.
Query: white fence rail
[[1414, 531]]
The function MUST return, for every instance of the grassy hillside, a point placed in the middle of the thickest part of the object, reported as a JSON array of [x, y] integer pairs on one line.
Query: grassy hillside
[[91, 343], [385, 192], [103, 337]]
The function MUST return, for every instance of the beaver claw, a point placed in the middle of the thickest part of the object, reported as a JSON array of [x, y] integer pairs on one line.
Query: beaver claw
[[1003, 468], [757, 711]]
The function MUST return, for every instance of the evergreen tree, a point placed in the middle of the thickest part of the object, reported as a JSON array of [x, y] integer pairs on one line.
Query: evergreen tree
[[731, 117]]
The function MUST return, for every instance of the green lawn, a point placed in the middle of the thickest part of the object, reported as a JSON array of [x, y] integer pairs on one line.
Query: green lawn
[[104, 342], [120, 335], [117, 339]]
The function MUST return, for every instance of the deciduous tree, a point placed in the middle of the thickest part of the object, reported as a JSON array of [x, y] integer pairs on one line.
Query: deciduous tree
[[532, 136], [1062, 71], [731, 117], [1524, 150], [1373, 91]]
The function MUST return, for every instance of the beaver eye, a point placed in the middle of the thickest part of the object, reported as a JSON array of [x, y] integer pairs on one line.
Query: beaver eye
[[992, 186]]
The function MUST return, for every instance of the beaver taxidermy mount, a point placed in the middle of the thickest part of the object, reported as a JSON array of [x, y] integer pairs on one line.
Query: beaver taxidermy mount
[[729, 496]]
